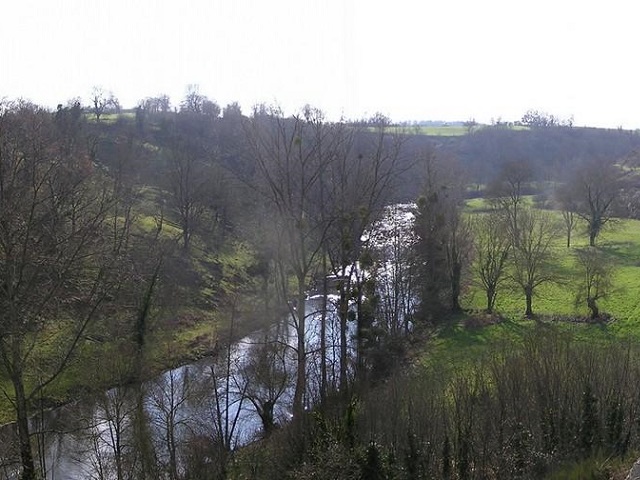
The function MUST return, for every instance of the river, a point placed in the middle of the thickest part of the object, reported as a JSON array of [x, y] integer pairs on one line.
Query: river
[[217, 398]]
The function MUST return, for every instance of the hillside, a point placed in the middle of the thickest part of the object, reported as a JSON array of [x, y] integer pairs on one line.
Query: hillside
[[143, 240]]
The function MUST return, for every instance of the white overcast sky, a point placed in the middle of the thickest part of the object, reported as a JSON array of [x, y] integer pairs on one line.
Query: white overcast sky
[[409, 59]]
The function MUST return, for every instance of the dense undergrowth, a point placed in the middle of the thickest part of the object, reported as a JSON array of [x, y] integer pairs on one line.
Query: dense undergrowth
[[542, 406]]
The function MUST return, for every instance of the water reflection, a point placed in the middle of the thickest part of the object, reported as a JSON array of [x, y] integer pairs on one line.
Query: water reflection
[[189, 416]]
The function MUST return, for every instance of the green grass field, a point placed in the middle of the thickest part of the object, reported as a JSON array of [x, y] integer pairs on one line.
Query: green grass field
[[442, 130], [458, 345], [621, 245], [450, 130], [620, 242], [459, 349]]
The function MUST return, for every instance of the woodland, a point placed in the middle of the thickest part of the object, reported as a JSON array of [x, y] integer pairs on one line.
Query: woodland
[[471, 298]]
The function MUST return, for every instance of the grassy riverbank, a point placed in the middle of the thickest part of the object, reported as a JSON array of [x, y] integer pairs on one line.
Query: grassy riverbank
[[100, 363]]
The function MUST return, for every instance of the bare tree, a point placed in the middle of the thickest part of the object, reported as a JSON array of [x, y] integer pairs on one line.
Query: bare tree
[[596, 284], [113, 453], [195, 102], [189, 184], [492, 244], [266, 376], [229, 395], [55, 269], [391, 239], [358, 184], [458, 248], [535, 118], [470, 125], [592, 193], [567, 205], [506, 192], [158, 104], [102, 102], [290, 167], [569, 219], [532, 254], [169, 397]]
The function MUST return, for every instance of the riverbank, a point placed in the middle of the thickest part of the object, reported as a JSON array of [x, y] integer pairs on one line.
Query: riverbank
[[187, 336]]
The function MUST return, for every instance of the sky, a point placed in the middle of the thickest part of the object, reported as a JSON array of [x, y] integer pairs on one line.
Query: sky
[[408, 59]]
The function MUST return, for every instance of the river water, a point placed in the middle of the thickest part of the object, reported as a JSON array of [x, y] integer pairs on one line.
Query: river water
[[206, 399], [215, 398]]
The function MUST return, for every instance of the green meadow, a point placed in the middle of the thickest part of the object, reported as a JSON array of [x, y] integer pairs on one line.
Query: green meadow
[[456, 130], [471, 335], [442, 130]]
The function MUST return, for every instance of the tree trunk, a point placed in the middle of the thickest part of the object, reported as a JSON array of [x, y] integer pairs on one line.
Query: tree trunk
[[171, 447], [24, 435], [528, 297], [142, 438], [593, 306], [363, 324], [593, 233], [266, 417], [186, 237], [490, 299], [323, 333], [343, 314], [456, 279], [301, 376]]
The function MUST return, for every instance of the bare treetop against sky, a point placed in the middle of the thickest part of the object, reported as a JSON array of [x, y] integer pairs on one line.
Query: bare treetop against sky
[[412, 60]]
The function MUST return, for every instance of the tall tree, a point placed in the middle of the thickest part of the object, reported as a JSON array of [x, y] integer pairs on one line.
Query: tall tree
[[492, 244], [196, 102], [154, 105], [592, 192], [189, 181], [532, 255], [442, 247], [193, 100], [358, 183], [597, 275], [266, 377], [188, 189], [289, 170], [507, 191], [55, 268], [565, 201], [536, 118], [458, 247], [391, 239]]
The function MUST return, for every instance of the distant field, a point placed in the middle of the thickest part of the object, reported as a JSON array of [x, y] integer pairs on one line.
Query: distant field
[[434, 130], [451, 130], [110, 118], [442, 131]]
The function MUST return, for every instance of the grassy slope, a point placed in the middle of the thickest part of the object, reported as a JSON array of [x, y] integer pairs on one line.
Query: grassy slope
[[177, 333]]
